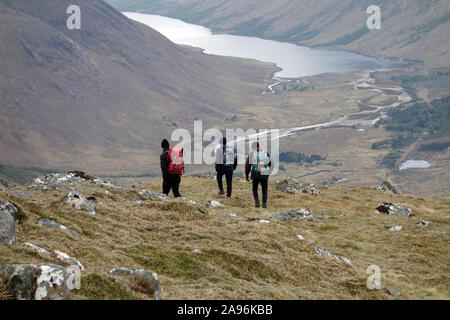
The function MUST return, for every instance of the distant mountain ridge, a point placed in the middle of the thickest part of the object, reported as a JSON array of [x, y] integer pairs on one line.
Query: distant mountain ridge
[[410, 29]]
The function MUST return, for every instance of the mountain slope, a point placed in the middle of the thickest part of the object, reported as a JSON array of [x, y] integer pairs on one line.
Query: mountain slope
[[238, 258], [410, 29], [102, 97]]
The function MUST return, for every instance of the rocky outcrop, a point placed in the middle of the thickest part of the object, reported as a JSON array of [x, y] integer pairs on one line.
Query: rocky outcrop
[[323, 252], [59, 181], [386, 186], [38, 281], [393, 210], [78, 201], [8, 216], [296, 214], [150, 195], [150, 276], [291, 186]]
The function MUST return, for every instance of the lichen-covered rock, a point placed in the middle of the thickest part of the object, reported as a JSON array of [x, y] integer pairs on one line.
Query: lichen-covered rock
[[78, 201], [150, 195], [213, 204], [296, 214], [323, 252], [150, 276], [393, 210], [386, 186], [7, 223], [38, 281], [7, 207], [296, 188], [57, 254]]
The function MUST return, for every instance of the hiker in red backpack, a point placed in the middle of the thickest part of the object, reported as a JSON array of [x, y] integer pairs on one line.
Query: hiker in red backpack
[[172, 167]]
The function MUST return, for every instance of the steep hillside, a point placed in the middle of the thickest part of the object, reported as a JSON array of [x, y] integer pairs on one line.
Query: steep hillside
[[235, 251], [103, 97], [410, 29]]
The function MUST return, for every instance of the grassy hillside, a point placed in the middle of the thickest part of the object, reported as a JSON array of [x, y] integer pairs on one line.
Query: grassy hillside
[[410, 29], [242, 259]]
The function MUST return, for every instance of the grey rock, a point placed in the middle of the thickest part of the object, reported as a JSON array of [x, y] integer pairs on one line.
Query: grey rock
[[213, 204], [52, 224], [7, 228], [7, 207], [395, 228], [200, 208], [426, 223], [393, 210], [386, 186], [323, 252], [78, 201], [133, 199], [150, 195], [59, 181], [57, 254], [394, 293], [150, 276], [296, 188], [296, 214], [38, 281]]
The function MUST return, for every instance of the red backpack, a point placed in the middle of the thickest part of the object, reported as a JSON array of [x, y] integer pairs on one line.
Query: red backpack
[[176, 166]]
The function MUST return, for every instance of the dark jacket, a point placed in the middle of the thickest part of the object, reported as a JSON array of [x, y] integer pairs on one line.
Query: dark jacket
[[164, 160], [248, 168]]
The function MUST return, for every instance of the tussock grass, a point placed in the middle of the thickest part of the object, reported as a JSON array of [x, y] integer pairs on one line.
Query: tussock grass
[[239, 259]]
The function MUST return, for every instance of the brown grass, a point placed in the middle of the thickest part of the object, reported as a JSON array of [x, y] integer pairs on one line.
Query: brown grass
[[241, 259]]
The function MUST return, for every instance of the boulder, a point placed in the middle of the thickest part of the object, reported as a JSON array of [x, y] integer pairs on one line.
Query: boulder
[[395, 228], [38, 281], [386, 186], [296, 214], [78, 201], [296, 188], [7, 229], [8, 214], [393, 210], [150, 195], [148, 275], [133, 199], [7, 207]]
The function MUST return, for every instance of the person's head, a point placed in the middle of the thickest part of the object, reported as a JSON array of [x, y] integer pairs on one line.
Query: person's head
[[165, 144]]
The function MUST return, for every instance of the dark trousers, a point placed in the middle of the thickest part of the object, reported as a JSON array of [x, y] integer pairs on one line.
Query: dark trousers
[[264, 181], [229, 179], [172, 182]]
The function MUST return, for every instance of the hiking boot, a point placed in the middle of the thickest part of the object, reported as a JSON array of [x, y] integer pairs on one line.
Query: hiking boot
[[264, 206], [228, 195], [257, 204], [221, 193]]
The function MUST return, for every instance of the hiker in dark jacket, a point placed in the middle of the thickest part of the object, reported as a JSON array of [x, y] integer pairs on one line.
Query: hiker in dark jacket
[[226, 163], [170, 181], [259, 163]]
